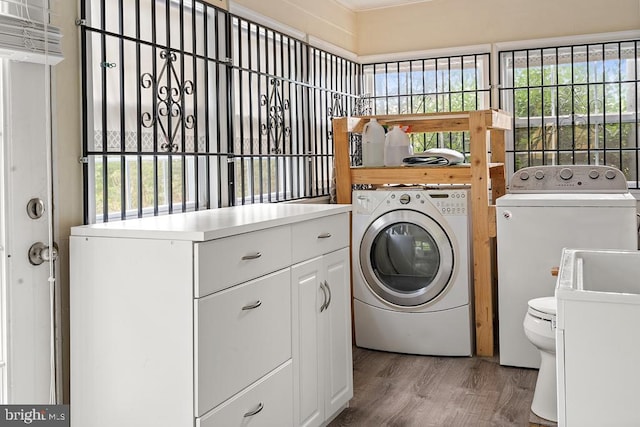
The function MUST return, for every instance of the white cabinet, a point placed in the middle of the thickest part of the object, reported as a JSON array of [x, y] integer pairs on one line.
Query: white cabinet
[[235, 325], [268, 402], [195, 319], [336, 336], [309, 298], [322, 360]]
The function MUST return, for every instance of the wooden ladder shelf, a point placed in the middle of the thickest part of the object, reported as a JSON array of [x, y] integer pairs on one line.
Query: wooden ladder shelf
[[487, 135]]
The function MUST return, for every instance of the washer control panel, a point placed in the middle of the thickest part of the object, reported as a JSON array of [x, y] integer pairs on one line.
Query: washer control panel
[[569, 179], [455, 202], [448, 202]]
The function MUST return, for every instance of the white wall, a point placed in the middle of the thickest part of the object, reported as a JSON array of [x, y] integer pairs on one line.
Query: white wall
[[325, 19], [66, 121], [449, 23]]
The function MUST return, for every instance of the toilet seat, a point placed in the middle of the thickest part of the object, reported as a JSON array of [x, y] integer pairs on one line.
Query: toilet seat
[[544, 308]]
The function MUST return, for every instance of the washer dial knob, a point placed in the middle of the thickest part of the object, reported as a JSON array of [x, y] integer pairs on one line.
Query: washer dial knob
[[524, 176], [539, 174], [566, 173], [609, 174], [594, 174], [404, 199]]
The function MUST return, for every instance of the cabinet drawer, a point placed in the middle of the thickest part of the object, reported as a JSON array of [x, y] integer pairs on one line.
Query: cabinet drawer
[[319, 236], [272, 393], [228, 261], [237, 344]]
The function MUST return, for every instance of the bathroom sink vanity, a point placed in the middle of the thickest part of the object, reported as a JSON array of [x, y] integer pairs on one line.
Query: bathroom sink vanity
[[212, 318]]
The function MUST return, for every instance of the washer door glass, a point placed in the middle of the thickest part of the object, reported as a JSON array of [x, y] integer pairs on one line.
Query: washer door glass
[[406, 258]]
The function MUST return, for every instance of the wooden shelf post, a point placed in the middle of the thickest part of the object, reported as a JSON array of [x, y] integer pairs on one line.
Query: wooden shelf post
[[486, 131]]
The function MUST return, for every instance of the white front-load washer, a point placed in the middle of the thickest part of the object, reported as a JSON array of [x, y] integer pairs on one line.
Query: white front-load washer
[[412, 270]]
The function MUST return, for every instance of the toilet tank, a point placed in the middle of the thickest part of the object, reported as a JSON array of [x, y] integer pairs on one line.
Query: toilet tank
[[598, 338]]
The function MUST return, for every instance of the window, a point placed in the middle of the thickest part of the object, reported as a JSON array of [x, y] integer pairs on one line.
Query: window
[[188, 107], [333, 81], [269, 71], [573, 104], [153, 117], [454, 83], [285, 93]]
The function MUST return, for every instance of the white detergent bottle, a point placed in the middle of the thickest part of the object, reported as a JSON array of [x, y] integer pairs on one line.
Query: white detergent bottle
[[373, 144], [396, 147]]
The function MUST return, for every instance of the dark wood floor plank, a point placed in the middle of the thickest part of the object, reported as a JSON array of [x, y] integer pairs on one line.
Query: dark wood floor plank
[[398, 390]]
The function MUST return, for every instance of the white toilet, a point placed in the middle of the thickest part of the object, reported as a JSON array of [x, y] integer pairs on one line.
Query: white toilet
[[539, 327]]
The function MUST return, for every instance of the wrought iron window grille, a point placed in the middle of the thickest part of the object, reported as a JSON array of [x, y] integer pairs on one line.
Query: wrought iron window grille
[[169, 104], [430, 85], [276, 107], [574, 104], [362, 105], [204, 109]]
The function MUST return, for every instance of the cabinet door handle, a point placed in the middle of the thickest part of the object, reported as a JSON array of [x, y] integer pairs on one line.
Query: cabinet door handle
[[252, 256], [252, 306], [324, 303], [324, 236], [254, 411], [326, 284]]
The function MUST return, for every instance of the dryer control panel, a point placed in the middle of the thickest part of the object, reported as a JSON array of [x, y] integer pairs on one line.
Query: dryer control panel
[[568, 179], [446, 201], [455, 202]]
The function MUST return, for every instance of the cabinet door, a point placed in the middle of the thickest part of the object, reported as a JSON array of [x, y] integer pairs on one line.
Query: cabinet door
[[308, 298], [336, 322]]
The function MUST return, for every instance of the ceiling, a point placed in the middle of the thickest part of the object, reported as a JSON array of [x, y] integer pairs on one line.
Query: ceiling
[[360, 5]]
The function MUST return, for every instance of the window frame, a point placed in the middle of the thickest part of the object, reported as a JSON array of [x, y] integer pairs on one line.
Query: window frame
[[212, 176], [590, 119], [481, 89]]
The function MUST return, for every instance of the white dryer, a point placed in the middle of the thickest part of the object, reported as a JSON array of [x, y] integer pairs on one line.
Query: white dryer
[[412, 270], [550, 208]]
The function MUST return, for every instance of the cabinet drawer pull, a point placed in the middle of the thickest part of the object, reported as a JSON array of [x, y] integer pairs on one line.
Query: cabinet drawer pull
[[324, 236], [326, 285], [252, 306], [255, 411], [252, 256], [324, 303]]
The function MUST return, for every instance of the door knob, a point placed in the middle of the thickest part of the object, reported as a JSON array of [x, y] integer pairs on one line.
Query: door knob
[[39, 253]]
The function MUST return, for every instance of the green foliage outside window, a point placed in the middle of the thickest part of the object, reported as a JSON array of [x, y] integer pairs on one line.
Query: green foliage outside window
[[574, 112], [115, 185]]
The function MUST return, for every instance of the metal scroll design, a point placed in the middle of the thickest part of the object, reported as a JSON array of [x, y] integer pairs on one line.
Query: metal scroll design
[[336, 109], [362, 106], [275, 126], [168, 111]]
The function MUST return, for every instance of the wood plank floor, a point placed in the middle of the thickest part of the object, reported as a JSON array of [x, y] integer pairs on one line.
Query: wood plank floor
[[399, 390]]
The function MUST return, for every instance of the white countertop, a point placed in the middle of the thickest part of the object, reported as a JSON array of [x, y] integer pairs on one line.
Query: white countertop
[[211, 224]]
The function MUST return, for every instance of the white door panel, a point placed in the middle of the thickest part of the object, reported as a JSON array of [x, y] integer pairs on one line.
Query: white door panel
[[24, 171]]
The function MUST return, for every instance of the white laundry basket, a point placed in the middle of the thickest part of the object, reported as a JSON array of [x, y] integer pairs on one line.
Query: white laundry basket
[[598, 338]]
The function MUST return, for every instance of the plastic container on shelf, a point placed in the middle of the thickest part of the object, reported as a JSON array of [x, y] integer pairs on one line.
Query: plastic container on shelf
[[397, 146], [373, 139]]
